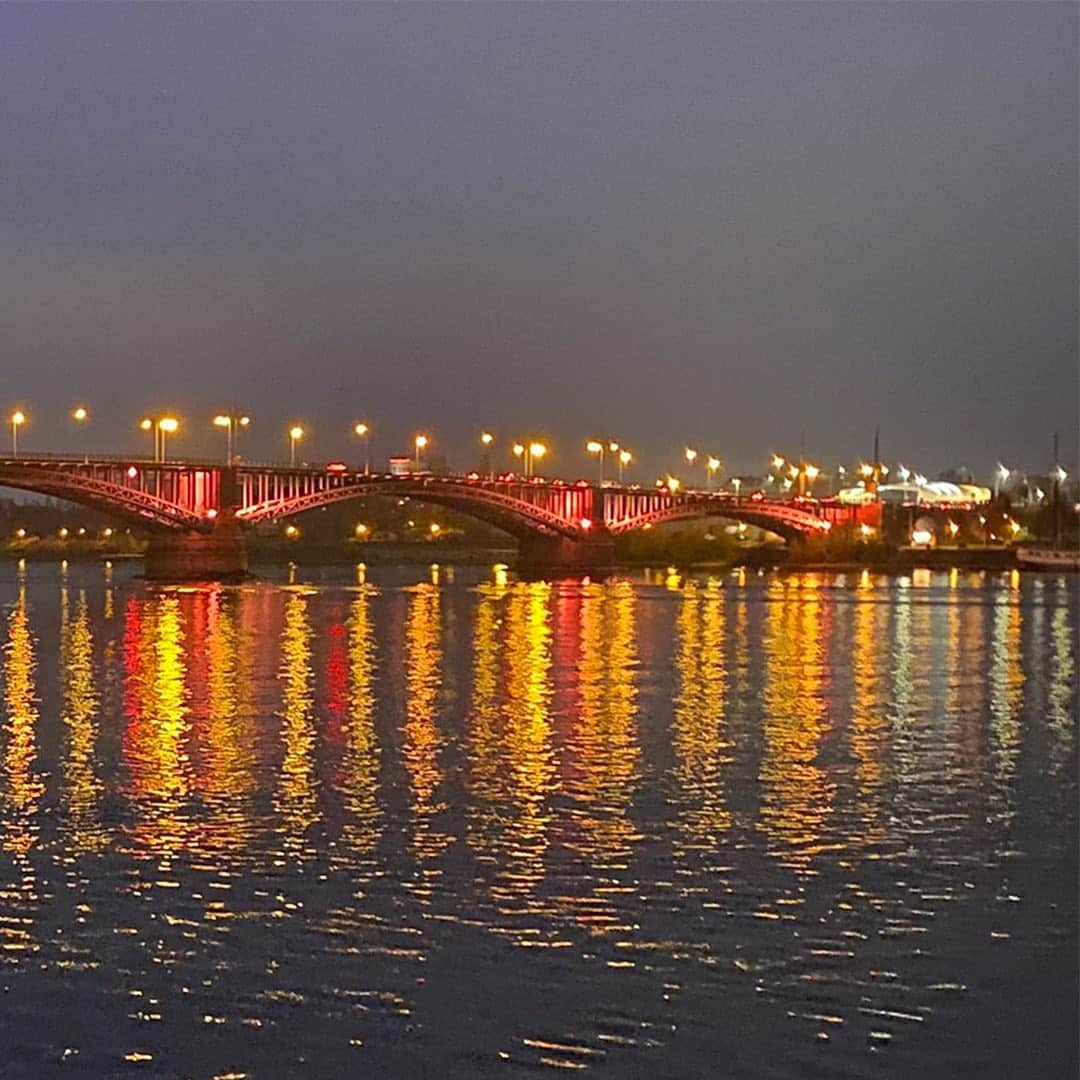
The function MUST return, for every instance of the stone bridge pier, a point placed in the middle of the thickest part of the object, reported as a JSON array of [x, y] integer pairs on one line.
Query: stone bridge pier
[[218, 555]]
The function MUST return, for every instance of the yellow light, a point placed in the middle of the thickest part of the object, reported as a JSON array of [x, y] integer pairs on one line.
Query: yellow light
[[421, 441], [777, 462], [79, 414], [168, 424], [613, 447], [866, 470], [518, 449], [362, 529], [865, 530], [221, 421], [625, 457], [812, 472], [361, 429], [63, 533], [713, 464], [292, 532], [586, 523], [673, 484], [1015, 526], [537, 449], [594, 447], [20, 533], [296, 432], [146, 423], [953, 528], [793, 471], [106, 532], [435, 528], [487, 438], [18, 417], [245, 420], [691, 454]]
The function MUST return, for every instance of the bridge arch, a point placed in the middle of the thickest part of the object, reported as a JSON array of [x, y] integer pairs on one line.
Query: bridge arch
[[791, 524], [502, 506], [124, 502]]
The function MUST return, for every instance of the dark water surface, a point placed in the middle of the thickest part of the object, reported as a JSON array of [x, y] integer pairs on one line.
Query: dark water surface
[[446, 824]]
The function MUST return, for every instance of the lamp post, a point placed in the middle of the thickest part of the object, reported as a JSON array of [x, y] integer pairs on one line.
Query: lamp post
[[419, 443], [159, 427], [18, 418], [712, 466], [536, 451], [80, 415], [362, 431], [596, 447], [691, 456], [296, 433], [167, 425], [625, 457], [486, 439], [230, 422]]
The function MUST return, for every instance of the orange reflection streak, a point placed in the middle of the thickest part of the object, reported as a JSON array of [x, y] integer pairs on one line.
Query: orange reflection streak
[[226, 777], [528, 736], [797, 793], [360, 763], [155, 742], [297, 798], [80, 788], [603, 749], [699, 737], [423, 657], [23, 787]]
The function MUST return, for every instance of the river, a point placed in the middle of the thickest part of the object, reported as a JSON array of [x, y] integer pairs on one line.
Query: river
[[414, 822]]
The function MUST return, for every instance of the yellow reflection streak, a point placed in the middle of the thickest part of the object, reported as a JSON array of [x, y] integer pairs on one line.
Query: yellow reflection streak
[[1006, 684], [227, 779], [869, 721], [423, 658], [23, 788], [699, 737], [297, 798], [156, 741], [797, 793], [360, 766], [604, 744], [81, 787]]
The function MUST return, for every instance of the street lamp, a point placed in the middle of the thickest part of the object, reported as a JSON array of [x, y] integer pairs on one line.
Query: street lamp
[[230, 423], [167, 425], [486, 439], [595, 447], [1001, 476], [625, 457], [362, 431], [712, 466], [18, 418], [419, 443], [80, 415], [296, 433], [536, 451]]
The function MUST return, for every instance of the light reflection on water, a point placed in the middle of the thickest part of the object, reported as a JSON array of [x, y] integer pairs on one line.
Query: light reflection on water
[[812, 823]]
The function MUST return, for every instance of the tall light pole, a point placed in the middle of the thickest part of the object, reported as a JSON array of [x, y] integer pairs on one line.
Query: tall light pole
[[691, 456], [18, 418], [593, 446], [712, 466], [362, 431], [231, 423], [536, 451], [419, 444], [625, 457], [296, 433], [167, 425], [80, 415], [486, 439]]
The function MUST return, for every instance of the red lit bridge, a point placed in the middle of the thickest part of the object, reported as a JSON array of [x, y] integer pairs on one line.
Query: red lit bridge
[[197, 513]]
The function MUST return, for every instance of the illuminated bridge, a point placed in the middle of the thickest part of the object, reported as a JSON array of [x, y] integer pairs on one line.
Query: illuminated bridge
[[197, 512]]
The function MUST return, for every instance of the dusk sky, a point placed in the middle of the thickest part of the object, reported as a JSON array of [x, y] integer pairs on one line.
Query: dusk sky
[[729, 225]]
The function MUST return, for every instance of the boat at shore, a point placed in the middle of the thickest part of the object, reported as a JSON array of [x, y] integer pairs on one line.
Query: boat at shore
[[1045, 557]]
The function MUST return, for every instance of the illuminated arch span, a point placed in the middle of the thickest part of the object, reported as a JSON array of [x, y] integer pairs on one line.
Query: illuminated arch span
[[788, 522], [504, 511], [118, 500]]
